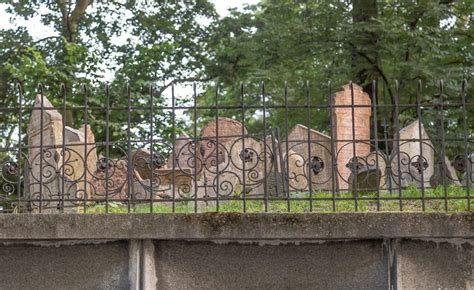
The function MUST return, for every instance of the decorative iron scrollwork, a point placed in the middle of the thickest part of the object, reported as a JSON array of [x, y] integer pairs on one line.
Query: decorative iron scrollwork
[[316, 164], [157, 160], [246, 155], [10, 168], [354, 165], [420, 164], [103, 164]]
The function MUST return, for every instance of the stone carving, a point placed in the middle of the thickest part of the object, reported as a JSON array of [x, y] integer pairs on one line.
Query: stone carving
[[346, 120]]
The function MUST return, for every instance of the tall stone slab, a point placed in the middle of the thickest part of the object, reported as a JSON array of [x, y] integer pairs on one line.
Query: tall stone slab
[[351, 128], [316, 153], [59, 166], [184, 153], [44, 133], [80, 160], [415, 154]]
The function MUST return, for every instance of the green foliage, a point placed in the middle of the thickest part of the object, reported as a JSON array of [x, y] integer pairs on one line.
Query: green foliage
[[320, 41], [143, 44]]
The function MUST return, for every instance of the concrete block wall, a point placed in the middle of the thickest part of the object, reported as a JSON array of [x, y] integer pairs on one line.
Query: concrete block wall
[[288, 251]]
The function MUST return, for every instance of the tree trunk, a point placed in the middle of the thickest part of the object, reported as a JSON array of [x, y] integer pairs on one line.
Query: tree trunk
[[365, 56]]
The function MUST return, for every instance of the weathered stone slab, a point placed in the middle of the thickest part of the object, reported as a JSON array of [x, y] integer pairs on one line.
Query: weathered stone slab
[[143, 162], [43, 165], [242, 162], [351, 128], [416, 157], [365, 180], [283, 174], [80, 158], [467, 168], [226, 131], [111, 179], [184, 153], [444, 169], [57, 165], [316, 155]]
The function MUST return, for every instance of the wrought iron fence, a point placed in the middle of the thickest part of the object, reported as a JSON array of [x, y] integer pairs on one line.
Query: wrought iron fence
[[161, 153]]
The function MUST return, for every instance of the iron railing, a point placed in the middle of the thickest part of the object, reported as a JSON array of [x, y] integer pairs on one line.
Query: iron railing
[[369, 153]]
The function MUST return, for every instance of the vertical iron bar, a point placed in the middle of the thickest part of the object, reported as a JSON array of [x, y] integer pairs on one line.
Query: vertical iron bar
[[107, 141], [152, 194], [389, 171], [276, 162], [265, 189], [84, 92], [376, 140], [244, 189], [173, 137], [420, 135], [466, 152], [354, 153], [281, 160], [20, 112], [334, 174], [40, 87], [130, 166], [287, 165], [397, 134], [63, 147], [196, 150], [443, 144], [308, 124], [217, 147]]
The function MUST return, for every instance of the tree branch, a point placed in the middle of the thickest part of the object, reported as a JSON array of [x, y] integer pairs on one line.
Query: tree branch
[[183, 80]]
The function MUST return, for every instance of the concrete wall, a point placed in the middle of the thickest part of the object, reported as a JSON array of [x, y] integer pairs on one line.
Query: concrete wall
[[204, 251]]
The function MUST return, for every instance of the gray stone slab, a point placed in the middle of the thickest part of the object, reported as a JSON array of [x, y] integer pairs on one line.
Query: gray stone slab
[[225, 226], [77, 266], [330, 265], [435, 264]]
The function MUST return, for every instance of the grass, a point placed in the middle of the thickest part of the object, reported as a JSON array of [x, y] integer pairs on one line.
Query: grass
[[454, 199]]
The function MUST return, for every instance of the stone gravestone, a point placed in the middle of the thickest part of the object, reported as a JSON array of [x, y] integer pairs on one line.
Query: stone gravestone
[[450, 176], [213, 158], [462, 166], [282, 175], [367, 180], [42, 174], [229, 132], [143, 163], [345, 120], [77, 151], [184, 153], [52, 168], [371, 173], [415, 164], [319, 165]]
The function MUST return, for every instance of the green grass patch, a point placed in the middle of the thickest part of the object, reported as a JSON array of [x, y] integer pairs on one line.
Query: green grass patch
[[451, 199]]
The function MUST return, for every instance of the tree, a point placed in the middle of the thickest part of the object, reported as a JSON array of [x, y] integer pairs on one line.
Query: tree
[[338, 41], [143, 44]]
